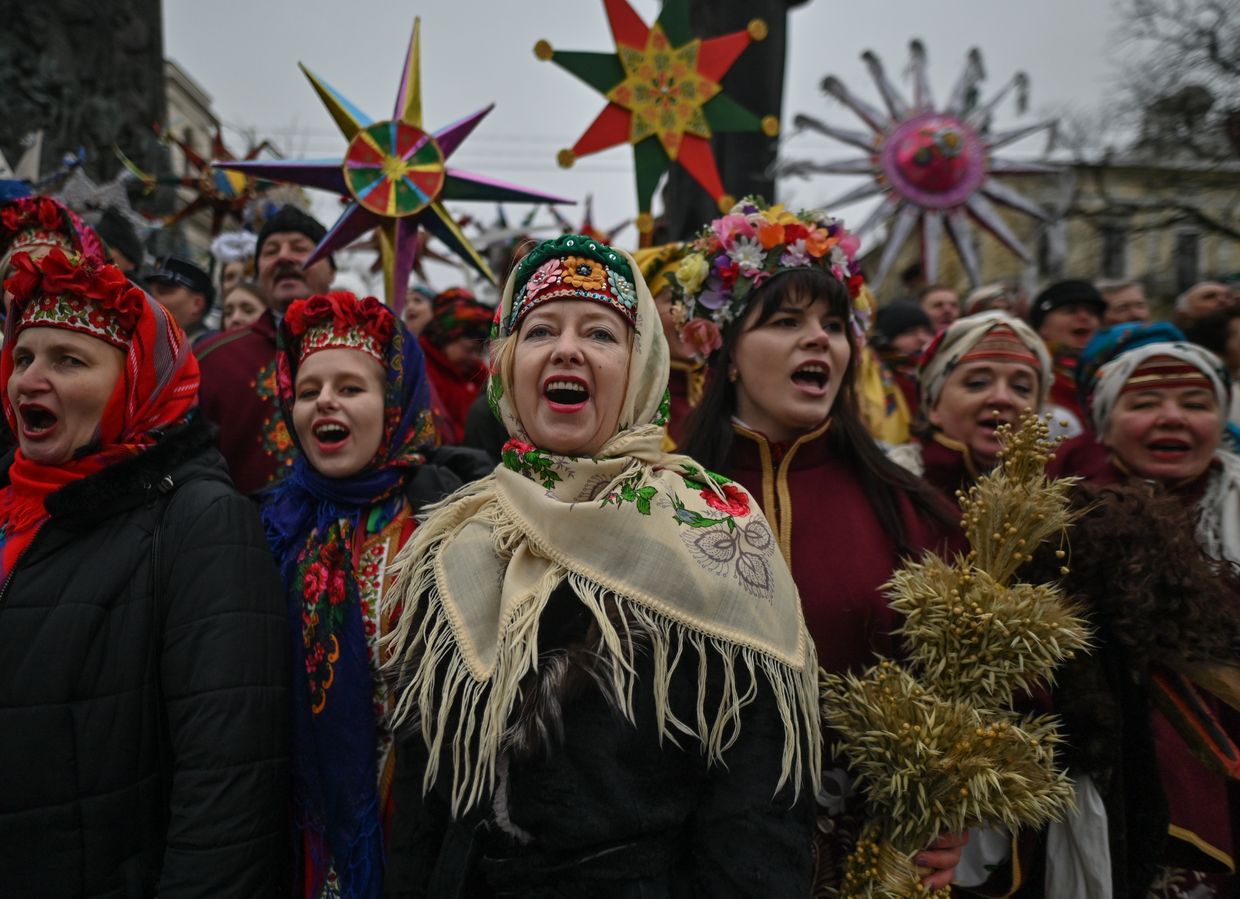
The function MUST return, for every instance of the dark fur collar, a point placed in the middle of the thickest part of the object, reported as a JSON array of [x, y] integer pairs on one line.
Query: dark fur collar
[[133, 481]]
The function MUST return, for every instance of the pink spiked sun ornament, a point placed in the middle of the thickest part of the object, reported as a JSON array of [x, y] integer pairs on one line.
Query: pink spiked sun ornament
[[933, 168], [396, 178]]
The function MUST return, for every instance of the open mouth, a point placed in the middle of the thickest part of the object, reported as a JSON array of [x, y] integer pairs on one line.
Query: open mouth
[[813, 375], [36, 420], [992, 423], [1169, 447], [1082, 333], [330, 434], [566, 393]]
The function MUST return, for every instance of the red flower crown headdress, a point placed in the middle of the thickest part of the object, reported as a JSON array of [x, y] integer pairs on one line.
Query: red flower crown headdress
[[74, 293], [42, 222], [340, 320]]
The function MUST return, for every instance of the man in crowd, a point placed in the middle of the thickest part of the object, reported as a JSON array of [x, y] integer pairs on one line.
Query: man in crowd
[[1203, 299], [186, 291], [1125, 302], [941, 303], [1066, 315], [901, 331], [239, 367], [121, 240]]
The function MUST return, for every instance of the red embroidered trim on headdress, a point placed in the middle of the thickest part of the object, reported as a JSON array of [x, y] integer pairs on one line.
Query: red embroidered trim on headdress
[[1162, 372], [60, 291], [1002, 344], [339, 320]]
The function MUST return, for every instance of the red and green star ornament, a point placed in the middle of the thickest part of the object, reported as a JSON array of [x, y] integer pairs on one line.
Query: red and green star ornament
[[225, 194], [664, 97], [396, 178]]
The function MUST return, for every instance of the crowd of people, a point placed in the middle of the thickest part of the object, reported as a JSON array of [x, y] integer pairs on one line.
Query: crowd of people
[[534, 600]]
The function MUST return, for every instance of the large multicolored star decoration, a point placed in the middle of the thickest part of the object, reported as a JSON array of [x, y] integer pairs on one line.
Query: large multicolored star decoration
[[395, 178], [933, 168], [664, 97], [225, 194]]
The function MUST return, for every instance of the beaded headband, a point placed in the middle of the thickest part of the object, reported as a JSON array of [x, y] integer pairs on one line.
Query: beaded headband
[[572, 267]]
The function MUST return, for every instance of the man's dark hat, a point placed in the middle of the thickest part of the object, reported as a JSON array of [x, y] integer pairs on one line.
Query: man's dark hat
[[180, 271], [290, 218], [1065, 293]]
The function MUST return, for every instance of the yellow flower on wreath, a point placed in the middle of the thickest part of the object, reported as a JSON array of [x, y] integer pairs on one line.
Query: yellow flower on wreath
[[692, 272], [583, 273]]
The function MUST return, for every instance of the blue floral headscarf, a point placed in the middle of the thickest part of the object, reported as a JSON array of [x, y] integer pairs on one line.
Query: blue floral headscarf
[[311, 522]]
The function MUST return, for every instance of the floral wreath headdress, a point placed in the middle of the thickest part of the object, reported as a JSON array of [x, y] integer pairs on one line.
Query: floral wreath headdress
[[741, 250], [340, 320], [75, 293]]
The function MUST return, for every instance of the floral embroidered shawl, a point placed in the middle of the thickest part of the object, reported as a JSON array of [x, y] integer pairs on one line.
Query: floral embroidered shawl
[[684, 554]]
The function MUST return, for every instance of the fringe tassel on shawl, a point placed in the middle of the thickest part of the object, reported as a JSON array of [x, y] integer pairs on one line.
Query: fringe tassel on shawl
[[438, 693]]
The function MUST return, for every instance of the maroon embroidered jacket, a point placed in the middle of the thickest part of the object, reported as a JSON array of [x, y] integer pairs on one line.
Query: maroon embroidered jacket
[[238, 394], [839, 554]]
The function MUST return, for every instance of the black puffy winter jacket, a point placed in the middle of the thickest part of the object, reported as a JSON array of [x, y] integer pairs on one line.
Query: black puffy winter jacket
[[144, 689]]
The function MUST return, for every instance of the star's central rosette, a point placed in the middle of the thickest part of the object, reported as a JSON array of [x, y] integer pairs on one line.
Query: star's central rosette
[[223, 187], [934, 160], [664, 90], [394, 169]]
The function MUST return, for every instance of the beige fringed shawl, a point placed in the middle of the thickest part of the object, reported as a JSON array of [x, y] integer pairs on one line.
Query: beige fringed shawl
[[685, 557]]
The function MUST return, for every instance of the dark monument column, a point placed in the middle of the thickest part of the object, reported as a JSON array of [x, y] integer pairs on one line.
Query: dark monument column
[[756, 82], [89, 74]]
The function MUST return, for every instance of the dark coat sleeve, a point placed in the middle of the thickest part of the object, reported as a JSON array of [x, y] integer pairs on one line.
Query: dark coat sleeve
[[745, 839], [225, 674], [429, 854]]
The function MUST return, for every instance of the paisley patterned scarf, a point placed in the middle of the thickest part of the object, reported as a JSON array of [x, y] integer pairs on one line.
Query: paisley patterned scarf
[[312, 521], [685, 555]]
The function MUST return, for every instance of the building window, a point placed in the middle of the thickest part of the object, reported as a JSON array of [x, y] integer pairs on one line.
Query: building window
[[1187, 261], [1052, 250], [1114, 262]]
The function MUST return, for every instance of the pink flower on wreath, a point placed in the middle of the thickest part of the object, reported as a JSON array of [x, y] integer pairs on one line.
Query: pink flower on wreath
[[703, 335], [735, 501], [732, 226]]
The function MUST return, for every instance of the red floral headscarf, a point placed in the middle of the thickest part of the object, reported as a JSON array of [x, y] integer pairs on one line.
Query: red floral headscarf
[[156, 390]]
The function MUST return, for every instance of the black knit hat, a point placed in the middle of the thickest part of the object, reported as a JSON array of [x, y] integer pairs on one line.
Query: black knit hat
[[119, 234], [1065, 293], [290, 218], [899, 316]]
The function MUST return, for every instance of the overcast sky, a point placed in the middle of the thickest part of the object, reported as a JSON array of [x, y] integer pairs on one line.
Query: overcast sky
[[244, 53]]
